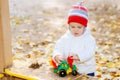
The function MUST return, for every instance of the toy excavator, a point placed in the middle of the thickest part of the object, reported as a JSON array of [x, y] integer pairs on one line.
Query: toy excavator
[[65, 67]]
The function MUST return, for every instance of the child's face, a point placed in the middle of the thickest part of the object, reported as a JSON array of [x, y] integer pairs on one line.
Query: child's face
[[76, 29]]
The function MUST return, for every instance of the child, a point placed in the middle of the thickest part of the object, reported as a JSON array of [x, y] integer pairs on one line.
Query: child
[[77, 42]]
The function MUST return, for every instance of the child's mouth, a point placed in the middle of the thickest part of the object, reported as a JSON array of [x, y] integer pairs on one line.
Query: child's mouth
[[75, 33]]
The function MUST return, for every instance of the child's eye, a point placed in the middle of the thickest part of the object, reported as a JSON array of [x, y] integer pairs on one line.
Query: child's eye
[[72, 26], [79, 27]]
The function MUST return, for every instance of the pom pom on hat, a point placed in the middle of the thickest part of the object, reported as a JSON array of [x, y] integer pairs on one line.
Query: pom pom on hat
[[78, 14]]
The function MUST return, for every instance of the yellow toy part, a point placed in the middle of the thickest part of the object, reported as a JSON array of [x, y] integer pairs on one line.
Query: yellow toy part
[[69, 70], [50, 62], [1, 76]]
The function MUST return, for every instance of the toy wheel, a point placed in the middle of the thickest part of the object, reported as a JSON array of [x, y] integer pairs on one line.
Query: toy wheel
[[62, 73], [74, 73]]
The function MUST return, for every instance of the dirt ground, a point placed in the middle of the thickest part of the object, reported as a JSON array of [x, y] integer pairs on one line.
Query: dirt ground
[[37, 24]]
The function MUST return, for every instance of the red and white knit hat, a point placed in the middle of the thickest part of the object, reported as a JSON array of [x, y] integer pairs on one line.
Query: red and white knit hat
[[78, 14]]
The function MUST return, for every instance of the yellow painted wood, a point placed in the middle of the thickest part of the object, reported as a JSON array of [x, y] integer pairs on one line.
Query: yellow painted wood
[[8, 72]]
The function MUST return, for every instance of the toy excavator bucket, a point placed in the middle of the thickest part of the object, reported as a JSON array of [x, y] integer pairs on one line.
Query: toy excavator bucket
[[52, 63]]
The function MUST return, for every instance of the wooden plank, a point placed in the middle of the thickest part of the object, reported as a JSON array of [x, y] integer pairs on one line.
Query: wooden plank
[[5, 36], [1, 41]]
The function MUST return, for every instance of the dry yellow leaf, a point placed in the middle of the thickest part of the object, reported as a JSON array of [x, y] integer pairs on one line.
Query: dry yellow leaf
[[28, 55], [98, 76], [114, 26], [32, 44], [117, 74], [117, 50], [99, 69], [21, 42], [19, 36], [69, 78], [103, 59], [14, 58], [27, 42], [85, 78], [118, 64], [17, 21], [109, 43], [110, 65], [106, 47]]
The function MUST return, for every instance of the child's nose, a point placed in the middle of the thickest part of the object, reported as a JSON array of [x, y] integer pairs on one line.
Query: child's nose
[[76, 29]]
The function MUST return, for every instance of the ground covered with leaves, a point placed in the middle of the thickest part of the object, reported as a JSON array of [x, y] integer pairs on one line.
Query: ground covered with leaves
[[37, 24]]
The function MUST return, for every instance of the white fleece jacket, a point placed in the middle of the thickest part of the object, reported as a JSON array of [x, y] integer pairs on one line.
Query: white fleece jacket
[[84, 46]]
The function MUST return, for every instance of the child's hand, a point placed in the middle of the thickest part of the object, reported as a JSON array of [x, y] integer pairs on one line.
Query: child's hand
[[58, 59], [75, 57]]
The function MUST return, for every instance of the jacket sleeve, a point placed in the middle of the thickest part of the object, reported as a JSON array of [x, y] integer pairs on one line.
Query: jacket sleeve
[[58, 49], [88, 51]]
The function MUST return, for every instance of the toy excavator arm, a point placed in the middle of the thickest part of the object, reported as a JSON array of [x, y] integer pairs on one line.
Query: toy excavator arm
[[70, 61]]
